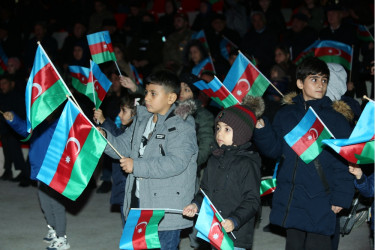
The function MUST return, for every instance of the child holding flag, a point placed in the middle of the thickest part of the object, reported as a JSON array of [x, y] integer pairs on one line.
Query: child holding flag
[[232, 176], [159, 154], [307, 196]]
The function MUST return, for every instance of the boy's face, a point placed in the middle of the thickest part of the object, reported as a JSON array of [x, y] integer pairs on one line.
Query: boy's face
[[157, 100], [224, 134], [185, 92], [125, 115], [313, 87]]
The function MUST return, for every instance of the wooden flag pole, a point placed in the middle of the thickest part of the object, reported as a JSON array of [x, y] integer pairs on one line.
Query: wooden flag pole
[[368, 99], [118, 68]]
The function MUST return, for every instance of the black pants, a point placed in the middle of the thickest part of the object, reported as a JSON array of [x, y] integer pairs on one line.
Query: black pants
[[301, 240], [13, 153]]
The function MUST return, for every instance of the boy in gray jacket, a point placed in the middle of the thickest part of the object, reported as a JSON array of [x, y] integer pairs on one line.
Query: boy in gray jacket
[[159, 153]]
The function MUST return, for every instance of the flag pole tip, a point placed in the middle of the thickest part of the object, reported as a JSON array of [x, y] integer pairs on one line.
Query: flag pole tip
[[38, 42]]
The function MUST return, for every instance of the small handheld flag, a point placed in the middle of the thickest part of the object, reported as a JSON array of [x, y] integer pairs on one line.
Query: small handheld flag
[[3, 61], [359, 147], [306, 138], [73, 153], [205, 65], [141, 229], [100, 45], [99, 83]]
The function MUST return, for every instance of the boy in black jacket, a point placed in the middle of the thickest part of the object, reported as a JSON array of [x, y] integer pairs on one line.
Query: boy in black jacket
[[232, 177]]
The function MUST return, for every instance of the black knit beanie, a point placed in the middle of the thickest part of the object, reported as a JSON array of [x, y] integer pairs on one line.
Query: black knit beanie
[[190, 79], [241, 119]]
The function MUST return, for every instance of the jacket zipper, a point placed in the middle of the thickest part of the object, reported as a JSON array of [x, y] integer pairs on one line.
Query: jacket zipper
[[291, 192]]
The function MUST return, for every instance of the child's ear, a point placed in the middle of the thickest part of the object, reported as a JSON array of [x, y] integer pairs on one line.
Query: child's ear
[[300, 84], [172, 97]]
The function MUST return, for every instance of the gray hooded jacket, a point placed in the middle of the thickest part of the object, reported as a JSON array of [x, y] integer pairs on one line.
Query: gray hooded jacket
[[167, 169]]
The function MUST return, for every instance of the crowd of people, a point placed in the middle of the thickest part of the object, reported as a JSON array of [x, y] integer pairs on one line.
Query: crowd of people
[[190, 141]]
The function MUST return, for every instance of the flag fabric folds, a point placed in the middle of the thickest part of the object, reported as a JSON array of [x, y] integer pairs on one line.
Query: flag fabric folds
[[200, 35], [209, 227], [218, 92], [359, 147], [306, 138], [138, 77], [3, 61], [101, 48], [205, 65], [364, 34], [328, 51], [226, 46], [72, 154], [244, 79], [141, 229], [100, 84], [45, 90], [80, 81]]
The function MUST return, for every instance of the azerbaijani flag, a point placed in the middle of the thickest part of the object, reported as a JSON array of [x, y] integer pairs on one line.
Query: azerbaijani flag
[[80, 81], [141, 229], [100, 84], [364, 34], [226, 46], [3, 61], [244, 79], [72, 154], [138, 77], [306, 53], [45, 90], [218, 92], [204, 65], [359, 147], [306, 138], [200, 35], [209, 227], [334, 52], [100, 45]]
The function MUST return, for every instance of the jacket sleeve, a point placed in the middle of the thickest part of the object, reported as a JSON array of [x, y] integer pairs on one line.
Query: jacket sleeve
[[250, 186], [180, 150], [267, 140], [18, 125], [205, 136], [121, 143], [365, 185], [110, 126]]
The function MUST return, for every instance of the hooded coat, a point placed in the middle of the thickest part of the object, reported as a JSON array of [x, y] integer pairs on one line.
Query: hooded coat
[[167, 170], [301, 200]]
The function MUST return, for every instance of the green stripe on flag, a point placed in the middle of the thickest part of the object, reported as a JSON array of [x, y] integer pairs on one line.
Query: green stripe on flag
[[367, 155], [151, 235], [259, 86], [316, 148], [104, 57], [47, 102], [336, 59], [84, 89], [85, 164]]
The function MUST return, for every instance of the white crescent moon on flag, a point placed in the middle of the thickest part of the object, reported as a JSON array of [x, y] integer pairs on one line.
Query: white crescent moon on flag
[[76, 142], [313, 130], [140, 230], [339, 52], [247, 82], [213, 225], [39, 88]]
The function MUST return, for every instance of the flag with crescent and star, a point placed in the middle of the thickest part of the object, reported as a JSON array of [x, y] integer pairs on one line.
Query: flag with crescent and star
[[45, 90], [73, 153], [306, 138], [99, 83], [141, 229], [306, 53], [217, 92], [209, 227], [226, 47], [101, 48], [359, 147], [80, 81], [244, 79]]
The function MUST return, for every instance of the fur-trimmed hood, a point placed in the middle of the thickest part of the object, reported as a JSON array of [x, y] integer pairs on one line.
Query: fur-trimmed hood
[[339, 106], [186, 108]]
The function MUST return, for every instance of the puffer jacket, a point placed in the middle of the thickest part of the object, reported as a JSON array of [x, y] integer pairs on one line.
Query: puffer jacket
[[231, 181], [167, 169], [301, 200]]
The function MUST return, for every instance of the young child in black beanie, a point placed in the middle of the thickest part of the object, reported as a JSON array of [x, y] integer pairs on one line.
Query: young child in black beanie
[[232, 177]]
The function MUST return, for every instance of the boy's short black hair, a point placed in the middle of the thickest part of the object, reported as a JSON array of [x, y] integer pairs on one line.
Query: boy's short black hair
[[167, 79], [311, 66]]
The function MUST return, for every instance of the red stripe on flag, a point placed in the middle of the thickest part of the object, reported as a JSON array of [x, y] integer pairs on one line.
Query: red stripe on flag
[[269, 191], [349, 152], [309, 138], [330, 51], [99, 89], [44, 78], [3, 65], [101, 47], [215, 235], [139, 239], [221, 93], [76, 138], [250, 73], [80, 77]]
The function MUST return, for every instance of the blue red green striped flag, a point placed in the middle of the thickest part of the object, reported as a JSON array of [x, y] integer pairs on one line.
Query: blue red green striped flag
[[101, 48], [205, 65], [306, 138], [3, 61], [73, 153], [141, 229], [359, 147], [100, 84]]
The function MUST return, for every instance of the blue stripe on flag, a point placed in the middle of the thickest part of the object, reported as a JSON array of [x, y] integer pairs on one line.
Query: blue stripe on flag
[[100, 76], [80, 70], [215, 84], [126, 241], [205, 218], [236, 71], [202, 85], [98, 37], [335, 44], [58, 143], [301, 129]]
